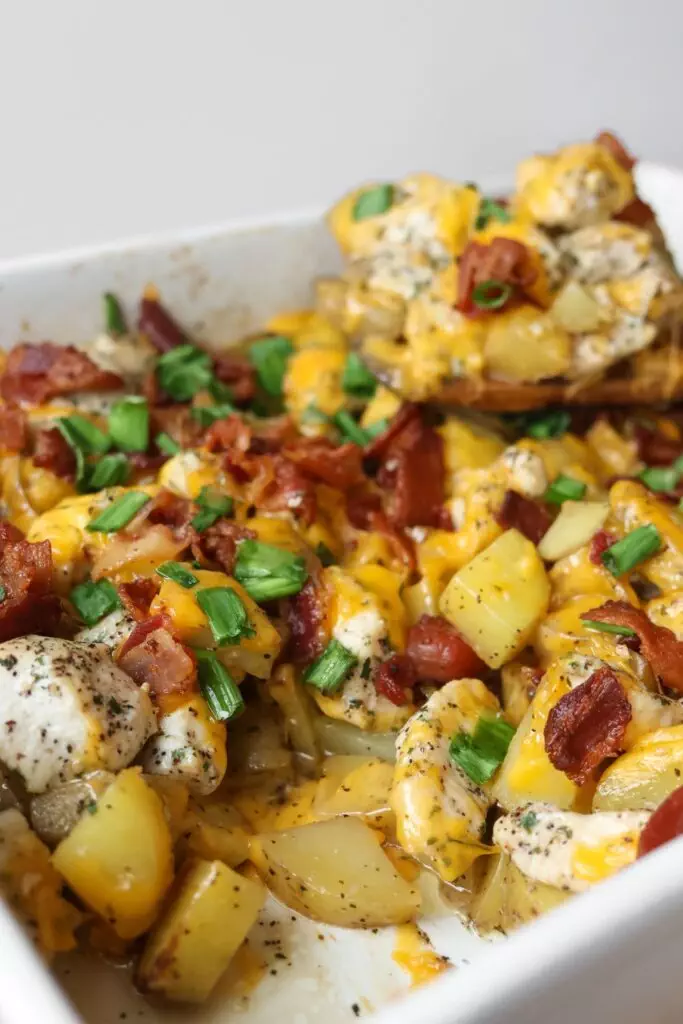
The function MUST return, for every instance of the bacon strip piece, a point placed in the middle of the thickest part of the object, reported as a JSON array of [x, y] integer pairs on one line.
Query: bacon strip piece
[[152, 655], [138, 595], [53, 452], [439, 653], [237, 372], [394, 677], [414, 471], [29, 606], [658, 645], [503, 260], [364, 510], [159, 327], [587, 725], [36, 373], [218, 543], [379, 446], [600, 541], [12, 429], [524, 514], [611, 142], [665, 824], [654, 448], [339, 466], [304, 616]]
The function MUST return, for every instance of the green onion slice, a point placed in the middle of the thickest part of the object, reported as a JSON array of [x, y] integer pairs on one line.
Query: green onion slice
[[227, 616], [491, 294], [219, 690], [177, 573], [205, 415], [357, 379], [129, 424], [312, 414], [93, 600], [564, 488], [480, 754], [608, 627], [267, 572], [375, 429], [219, 391], [81, 433], [632, 549], [211, 507], [3, 593], [373, 202], [119, 513], [661, 478], [166, 444], [183, 371], [269, 357], [332, 667], [326, 556], [109, 471], [549, 425], [115, 322], [349, 429], [489, 210]]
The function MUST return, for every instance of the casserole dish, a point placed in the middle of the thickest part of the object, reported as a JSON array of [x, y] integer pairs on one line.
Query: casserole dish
[[225, 284]]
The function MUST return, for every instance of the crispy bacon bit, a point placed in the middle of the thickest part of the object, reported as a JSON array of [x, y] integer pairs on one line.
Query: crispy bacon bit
[[54, 453], [364, 510], [218, 543], [524, 514], [394, 677], [405, 415], [273, 483], [637, 213], [237, 372], [29, 606], [12, 429], [618, 150], [413, 469], [658, 645], [36, 373], [655, 448], [665, 824], [167, 509], [304, 616], [160, 660], [233, 434], [600, 541], [338, 466], [178, 423], [230, 434], [138, 595], [439, 653], [147, 462], [159, 327], [587, 725], [503, 260]]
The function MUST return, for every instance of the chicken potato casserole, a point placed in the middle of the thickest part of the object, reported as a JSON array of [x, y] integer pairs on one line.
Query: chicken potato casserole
[[267, 627]]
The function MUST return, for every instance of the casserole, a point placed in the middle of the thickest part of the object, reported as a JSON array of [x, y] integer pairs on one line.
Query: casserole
[[193, 291]]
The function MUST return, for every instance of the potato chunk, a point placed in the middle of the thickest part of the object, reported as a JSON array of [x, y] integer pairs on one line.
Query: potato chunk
[[335, 871], [201, 931], [119, 859], [645, 776], [508, 898], [497, 599]]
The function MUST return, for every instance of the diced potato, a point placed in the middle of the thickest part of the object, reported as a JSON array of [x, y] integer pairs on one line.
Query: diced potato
[[508, 898], [525, 344], [575, 309], [574, 527], [55, 813], [356, 786], [216, 831], [518, 683], [257, 745], [645, 776], [119, 860], [174, 796], [208, 920], [337, 737], [298, 713], [618, 455], [335, 871], [496, 600]]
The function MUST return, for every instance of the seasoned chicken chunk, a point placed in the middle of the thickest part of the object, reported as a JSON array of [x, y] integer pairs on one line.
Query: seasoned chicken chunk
[[190, 746]]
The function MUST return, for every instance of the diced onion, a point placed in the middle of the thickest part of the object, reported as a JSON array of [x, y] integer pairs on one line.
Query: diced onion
[[574, 527], [341, 738]]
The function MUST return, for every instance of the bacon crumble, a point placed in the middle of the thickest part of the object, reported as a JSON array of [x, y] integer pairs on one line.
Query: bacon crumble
[[665, 824], [438, 652], [503, 261], [524, 514], [658, 645], [35, 373]]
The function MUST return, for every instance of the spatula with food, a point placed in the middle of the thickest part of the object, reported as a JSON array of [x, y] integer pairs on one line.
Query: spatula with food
[[564, 293]]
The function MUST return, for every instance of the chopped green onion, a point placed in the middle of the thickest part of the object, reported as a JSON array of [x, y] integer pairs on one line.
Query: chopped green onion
[[226, 614], [177, 573], [219, 689], [608, 627], [564, 488], [349, 429], [267, 572], [3, 593], [114, 320], [331, 668], [109, 471], [373, 202], [205, 415], [219, 391], [183, 371], [325, 555], [312, 414], [81, 433], [166, 444], [548, 425], [357, 379], [211, 507], [661, 478], [480, 754], [269, 356], [491, 294], [93, 600], [375, 429], [119, 513], [129, 424], [632, 549], [489, 209]]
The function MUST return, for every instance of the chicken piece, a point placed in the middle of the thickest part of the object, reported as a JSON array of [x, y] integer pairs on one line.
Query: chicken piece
[[111, 631], [567, 850], [67, 709], [189, 746], [440, 812]]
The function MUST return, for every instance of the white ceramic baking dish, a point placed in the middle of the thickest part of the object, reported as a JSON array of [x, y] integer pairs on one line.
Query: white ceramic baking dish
[[610, 955]]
